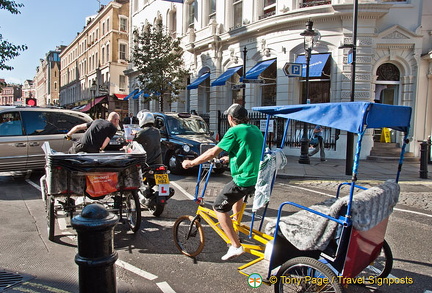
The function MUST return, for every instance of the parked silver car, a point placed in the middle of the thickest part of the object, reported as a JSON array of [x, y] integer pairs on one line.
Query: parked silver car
[[23, 130]]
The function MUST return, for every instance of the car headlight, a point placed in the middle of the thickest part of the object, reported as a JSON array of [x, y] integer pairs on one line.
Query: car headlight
[[186, 148]]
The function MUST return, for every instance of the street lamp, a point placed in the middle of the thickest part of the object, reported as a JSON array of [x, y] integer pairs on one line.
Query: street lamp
[[311, 37], [93, 92]]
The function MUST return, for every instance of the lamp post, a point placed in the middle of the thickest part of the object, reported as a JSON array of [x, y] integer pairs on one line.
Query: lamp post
[[311, 37], [93, 92], [244, 75]]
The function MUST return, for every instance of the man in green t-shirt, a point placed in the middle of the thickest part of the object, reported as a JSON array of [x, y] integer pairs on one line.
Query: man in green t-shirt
[[243, 143]]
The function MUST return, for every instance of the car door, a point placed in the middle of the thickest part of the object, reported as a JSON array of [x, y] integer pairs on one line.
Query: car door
[[50, 126], [13, 142]]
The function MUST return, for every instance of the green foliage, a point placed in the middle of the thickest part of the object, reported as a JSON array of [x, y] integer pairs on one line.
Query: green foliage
[[8, 50], [158, 58]]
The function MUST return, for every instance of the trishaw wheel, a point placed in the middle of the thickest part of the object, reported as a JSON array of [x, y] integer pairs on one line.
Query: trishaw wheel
[[305, 274], [50, 217], [133, 210], [382, 265], [188, 236]]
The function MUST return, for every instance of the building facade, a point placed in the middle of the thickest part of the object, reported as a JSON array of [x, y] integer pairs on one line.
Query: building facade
[[47, 79], [255, 39], [92, 66], [28, 90], [11, 94]]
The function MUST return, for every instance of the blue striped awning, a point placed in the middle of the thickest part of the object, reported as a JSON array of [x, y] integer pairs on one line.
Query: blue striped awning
[[226, 75], [137, 95], [316, 64], [255, 71], [133, 93], [198, 81]]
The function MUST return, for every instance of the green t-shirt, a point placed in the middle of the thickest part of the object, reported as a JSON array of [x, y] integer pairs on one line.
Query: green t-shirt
[[243, 143]]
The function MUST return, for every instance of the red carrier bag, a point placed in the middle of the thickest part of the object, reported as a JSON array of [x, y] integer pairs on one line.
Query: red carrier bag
[[100, 184]]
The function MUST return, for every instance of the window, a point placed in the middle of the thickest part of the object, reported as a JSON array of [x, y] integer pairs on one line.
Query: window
[[122, 82], [319, 86], [103, 28], [42, 123], [268, 88], [107, 52], [108, 25], [388, 71], [123, 24], [191, 14], [238, 13], [122, 52], [269, 8], [212, 9], [103, 55], [172, 23], [10, 124]]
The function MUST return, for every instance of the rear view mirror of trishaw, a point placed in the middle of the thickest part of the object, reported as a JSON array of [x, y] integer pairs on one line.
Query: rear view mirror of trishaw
[[318, 248]]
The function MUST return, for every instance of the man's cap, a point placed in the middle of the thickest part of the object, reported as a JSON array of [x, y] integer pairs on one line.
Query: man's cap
[[237, 111]]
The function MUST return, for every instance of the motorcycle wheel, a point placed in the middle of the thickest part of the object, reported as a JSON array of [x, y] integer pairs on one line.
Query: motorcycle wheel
[[156, 210]]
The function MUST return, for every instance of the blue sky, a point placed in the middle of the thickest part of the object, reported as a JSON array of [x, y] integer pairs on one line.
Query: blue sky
[[42, 25]]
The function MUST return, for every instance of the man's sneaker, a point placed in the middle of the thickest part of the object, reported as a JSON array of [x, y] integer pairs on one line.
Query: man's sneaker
[[233, 252]]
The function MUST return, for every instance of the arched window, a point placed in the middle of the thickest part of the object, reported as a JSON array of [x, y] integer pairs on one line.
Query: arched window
[[388, 71]]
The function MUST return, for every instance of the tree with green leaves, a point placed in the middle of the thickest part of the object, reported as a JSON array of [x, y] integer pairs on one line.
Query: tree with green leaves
[[157, 56], [8, 50]]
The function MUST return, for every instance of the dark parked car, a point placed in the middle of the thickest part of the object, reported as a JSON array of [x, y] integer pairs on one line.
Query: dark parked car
[[23, 130], [117, 142], [182, 137]]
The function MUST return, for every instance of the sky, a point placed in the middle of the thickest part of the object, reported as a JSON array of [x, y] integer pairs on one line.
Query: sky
[[42, 26]]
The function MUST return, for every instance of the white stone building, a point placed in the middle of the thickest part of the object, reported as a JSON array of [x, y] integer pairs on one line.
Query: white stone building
[[393, 64]]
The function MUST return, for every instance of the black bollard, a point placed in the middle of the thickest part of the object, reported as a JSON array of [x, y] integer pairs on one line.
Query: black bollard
[[423, 160], [429, 154], [96, 256]]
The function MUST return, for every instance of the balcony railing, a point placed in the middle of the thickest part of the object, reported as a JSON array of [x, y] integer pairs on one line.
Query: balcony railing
[[310, 3]]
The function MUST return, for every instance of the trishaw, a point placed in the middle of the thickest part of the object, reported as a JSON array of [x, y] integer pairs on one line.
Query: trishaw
[[329, 245], [72, 181]]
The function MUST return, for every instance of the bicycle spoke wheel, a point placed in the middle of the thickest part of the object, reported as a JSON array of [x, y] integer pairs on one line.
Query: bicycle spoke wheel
[[188, 236], [133, 211], [307, 275], [381, 266]]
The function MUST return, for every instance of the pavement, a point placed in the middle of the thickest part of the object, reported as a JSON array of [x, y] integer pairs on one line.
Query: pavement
[[335, 169], [43, 266]]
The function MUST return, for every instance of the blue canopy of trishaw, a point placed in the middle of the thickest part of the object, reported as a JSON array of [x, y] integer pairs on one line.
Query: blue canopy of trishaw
[[349, 116]]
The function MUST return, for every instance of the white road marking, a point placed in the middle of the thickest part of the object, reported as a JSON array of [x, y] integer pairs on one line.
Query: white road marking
[[33, 184], [135, 270], [165, 287], [190, 196], [329, 195]]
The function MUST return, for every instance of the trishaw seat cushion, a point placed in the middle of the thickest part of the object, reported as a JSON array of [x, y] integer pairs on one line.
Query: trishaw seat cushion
[[371, 206], [309, 231]]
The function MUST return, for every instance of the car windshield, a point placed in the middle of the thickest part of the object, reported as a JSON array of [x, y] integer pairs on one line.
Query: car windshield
[[187, 126]]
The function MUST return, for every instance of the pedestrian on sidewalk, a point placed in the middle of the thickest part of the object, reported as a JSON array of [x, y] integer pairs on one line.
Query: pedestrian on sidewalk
[[319, 142]]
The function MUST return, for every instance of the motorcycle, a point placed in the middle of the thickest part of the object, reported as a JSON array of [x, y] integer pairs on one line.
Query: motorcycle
[[156, 190]]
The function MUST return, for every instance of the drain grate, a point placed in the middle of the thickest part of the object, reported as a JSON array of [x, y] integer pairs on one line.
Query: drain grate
[[9, 279]]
